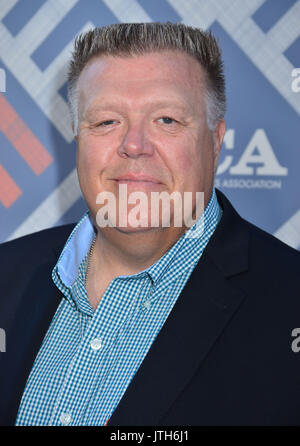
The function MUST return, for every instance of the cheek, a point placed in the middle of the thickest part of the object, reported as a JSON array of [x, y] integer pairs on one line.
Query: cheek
[[92, 155], [88, 166], [87, 154], [187, 160], [191, 163]]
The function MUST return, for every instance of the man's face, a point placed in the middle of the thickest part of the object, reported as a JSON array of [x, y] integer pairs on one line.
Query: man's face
[[144, 115]]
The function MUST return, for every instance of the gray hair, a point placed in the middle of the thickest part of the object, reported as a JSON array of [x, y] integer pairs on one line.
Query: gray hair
[[133, 39]]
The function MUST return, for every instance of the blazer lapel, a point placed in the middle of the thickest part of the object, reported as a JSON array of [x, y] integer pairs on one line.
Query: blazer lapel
[[200, 315]]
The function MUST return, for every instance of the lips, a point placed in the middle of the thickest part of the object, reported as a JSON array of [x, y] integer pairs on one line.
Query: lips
[[137, 178]]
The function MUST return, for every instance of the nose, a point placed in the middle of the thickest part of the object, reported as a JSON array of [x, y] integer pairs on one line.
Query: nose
[[135, 142]]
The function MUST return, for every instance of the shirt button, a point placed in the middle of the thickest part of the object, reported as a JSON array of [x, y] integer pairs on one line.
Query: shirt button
[[96, 344], [147, 304], [65, 418]]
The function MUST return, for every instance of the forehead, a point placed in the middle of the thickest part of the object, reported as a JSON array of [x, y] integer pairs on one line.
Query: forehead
[[165, 73]]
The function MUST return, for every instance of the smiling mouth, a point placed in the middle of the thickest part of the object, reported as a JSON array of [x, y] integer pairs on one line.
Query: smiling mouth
[[139, 185], [128, 180], [135, 177]]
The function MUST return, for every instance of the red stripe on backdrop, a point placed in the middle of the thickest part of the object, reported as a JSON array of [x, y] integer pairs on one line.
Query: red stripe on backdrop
[[9, 190], [22, 138]]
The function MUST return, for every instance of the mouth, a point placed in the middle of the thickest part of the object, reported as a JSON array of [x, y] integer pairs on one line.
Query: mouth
[[136, 182], [134, 178], [129, 181], [140, 185]]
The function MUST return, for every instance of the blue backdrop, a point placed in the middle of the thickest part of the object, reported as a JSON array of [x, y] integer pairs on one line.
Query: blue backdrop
[[260, 157]]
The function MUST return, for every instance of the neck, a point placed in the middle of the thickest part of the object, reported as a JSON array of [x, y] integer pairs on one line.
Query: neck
[[124, 253]]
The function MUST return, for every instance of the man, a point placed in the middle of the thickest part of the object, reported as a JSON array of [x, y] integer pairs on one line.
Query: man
[[131, 324]]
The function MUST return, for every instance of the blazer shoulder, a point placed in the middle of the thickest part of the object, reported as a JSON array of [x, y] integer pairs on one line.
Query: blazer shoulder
[[267, 240], [238, 244], [268, 251], [42, 241]]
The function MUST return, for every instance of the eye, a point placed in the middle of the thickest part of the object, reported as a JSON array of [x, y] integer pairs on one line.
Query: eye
[[106, 123], [168, 120]]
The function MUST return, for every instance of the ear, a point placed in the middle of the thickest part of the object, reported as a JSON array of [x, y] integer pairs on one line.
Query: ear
[[219, 134], [75, 136]]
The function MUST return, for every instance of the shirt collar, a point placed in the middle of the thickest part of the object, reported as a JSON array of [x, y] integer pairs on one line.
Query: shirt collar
[[75, 249]]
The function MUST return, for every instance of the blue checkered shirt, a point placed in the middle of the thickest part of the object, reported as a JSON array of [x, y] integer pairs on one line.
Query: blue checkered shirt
[[89, 357]]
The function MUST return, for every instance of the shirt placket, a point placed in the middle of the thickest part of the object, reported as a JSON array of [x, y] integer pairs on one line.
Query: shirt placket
[[89, 365]]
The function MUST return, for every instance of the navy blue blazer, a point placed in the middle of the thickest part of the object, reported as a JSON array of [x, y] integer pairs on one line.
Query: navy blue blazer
[[224, 355]]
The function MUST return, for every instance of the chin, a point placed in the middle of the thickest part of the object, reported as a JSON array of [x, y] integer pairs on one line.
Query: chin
[[138, 230]]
